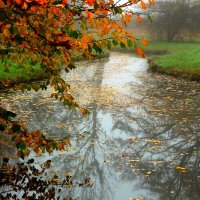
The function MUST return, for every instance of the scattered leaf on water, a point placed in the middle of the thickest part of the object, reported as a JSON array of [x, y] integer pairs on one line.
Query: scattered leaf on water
[[181, 169]]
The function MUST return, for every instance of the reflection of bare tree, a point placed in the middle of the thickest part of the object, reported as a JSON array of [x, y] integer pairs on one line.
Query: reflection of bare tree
[[165, 134], [145, 144], [83, 161], [90, 164]]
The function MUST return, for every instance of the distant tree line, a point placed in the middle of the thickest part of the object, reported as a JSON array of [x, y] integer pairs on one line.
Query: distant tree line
[[177, 20]]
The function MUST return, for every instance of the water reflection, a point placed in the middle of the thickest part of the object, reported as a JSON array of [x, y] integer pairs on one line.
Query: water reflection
[[141, 127]]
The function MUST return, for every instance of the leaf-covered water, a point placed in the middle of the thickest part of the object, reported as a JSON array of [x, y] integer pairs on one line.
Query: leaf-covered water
[[141, 140]]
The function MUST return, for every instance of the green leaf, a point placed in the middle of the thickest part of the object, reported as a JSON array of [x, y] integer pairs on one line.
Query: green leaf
[[36, 87], [16, 128], [11, 114], [6, 114], [2, 127], [71, 66], [21, 145], [109, 45], [65, 103], [42, 29], [6, 70], [13, 138], [115, 42], [30, 161], [74, 34], [122, 45], [130, 43], [66, 27], [66, 70], [70, 32], [13, 29], [89, 48], [96, 5], [47, 82], [150, 18], [97, 48], [118, 10]]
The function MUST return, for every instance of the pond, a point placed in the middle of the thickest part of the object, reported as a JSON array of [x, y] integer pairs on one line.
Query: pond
[[140, 142]]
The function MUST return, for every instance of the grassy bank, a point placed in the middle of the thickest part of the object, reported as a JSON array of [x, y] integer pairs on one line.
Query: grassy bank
[[180, 59], [17, 72], [25, 72], [176, 59]]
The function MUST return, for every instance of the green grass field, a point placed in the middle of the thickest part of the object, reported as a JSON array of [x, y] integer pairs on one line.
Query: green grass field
[[179, 56], [18, 72]]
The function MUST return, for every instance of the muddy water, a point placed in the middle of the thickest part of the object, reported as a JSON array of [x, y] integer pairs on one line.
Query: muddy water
[[142, 129]]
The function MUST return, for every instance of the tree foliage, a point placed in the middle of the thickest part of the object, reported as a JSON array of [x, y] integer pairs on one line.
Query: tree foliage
[[51, 32]]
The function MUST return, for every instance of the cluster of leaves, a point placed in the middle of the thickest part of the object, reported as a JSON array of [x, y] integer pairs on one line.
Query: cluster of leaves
[[28, 179], [24, 139], [51, 32]]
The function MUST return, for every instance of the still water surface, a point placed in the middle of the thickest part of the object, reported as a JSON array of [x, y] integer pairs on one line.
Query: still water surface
[[141, 127]]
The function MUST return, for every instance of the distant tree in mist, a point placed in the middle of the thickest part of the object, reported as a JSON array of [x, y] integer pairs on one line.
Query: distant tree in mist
[[176, 20]]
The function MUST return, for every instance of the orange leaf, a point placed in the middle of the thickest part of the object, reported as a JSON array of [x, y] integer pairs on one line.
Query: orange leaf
[[128, 17], [139, 19], [61, 147], [151, 2], [144, 5], [44, 142], [90, 2], [139, 51], [24, 6], [83, 111], [89, 14], [2, 4], [6, 32], [19, 154], [144, 42], [18, 2], [105, 12]]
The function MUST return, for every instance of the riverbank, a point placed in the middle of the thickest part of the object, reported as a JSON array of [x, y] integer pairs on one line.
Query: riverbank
[[181, 60], [28, 72], [15, 73]]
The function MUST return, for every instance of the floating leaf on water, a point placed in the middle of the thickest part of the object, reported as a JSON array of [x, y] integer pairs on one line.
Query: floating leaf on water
[[181, 169], [136, 160]]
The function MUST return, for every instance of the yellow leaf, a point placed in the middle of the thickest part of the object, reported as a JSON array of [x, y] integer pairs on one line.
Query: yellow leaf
[[181, 169], [2, 5], [67, 141], [48, 35], [6, 32]]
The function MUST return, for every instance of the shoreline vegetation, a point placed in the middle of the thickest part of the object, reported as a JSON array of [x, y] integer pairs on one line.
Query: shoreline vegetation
[[177, 59], [181, 60], [30, 73]]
